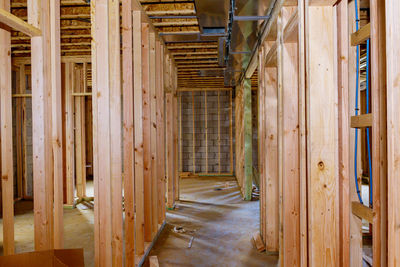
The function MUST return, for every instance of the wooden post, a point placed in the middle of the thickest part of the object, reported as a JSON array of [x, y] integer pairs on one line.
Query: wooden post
[[355, 222], [206, 127], [176, 137], [219, 131], [271, 158], [153, 135], [170, 150], [107, 132], [193, 136], [378, 136], [7, 167], [56, 109], [344, 131], [128, 146], [80, 137], [161, 136], [288, 84], [69, 83], [323, 197], [248, 137], [230, 132], [146, 131], [43, 183], [19, 142], [393, 130], [138, 122]]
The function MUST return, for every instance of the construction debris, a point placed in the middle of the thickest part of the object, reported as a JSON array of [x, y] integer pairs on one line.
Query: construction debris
[[258, 242]]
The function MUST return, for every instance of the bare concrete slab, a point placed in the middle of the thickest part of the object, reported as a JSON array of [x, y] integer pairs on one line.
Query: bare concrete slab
[[211, 211]]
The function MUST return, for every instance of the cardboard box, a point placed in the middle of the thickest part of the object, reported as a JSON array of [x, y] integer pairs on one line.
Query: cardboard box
[[48, 258]]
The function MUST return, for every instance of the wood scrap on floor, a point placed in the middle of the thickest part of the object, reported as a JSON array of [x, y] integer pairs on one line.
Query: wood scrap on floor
[[191, 242], [258, 242], [153, 261]]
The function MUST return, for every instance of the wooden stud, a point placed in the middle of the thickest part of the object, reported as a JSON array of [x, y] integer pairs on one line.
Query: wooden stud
[[248, 137], [153, 135], [322, 140], [379, 129], [219, 131], [271, 159], [128, 132], [43, 187], [80, 138], [19, 123], [146, 131], [7, 167], [343, 131], [107, 133], [170, 150], [138, 122], [393, 130], [56, 109], [193, 136], [287, 60], [355, 245], [206, 128], [69, 83]]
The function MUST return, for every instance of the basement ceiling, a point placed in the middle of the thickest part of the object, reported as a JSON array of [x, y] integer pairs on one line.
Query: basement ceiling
[[211, 42]]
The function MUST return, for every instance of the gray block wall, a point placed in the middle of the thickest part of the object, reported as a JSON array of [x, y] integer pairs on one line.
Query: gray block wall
[[206, 141]]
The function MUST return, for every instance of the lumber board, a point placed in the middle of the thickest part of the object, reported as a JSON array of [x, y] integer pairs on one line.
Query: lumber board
[[18, 24], [271, 160], [56, 109], [362, 211], [170, 150], [393, 130], [19, 141], [355, 222], [69, 83], [288, 84], [39, 13], [343, 131], [7, 168], [322, 141], [146, 131], [361, 121], [128, 132], [248, 138], [138, 131], [361, 35], [80, 138], [153, 134], [379, 131]]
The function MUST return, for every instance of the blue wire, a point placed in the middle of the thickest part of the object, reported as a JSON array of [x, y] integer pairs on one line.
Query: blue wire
[[368, 141], [356, 108]]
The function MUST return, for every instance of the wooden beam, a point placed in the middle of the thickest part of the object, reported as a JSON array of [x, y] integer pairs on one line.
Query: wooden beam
[[107, 132], [138, 122], [393, 129], [43, 187], [128, 132], [322, 142], [361, 35], [7, 167], [170, 150], [248, 138], [206, 127], [18, 24]]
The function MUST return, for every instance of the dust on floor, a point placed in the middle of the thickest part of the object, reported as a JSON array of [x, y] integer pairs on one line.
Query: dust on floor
[[211, 211]]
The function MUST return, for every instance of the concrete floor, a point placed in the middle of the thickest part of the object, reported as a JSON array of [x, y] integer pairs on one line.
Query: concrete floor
[[212, 211]]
